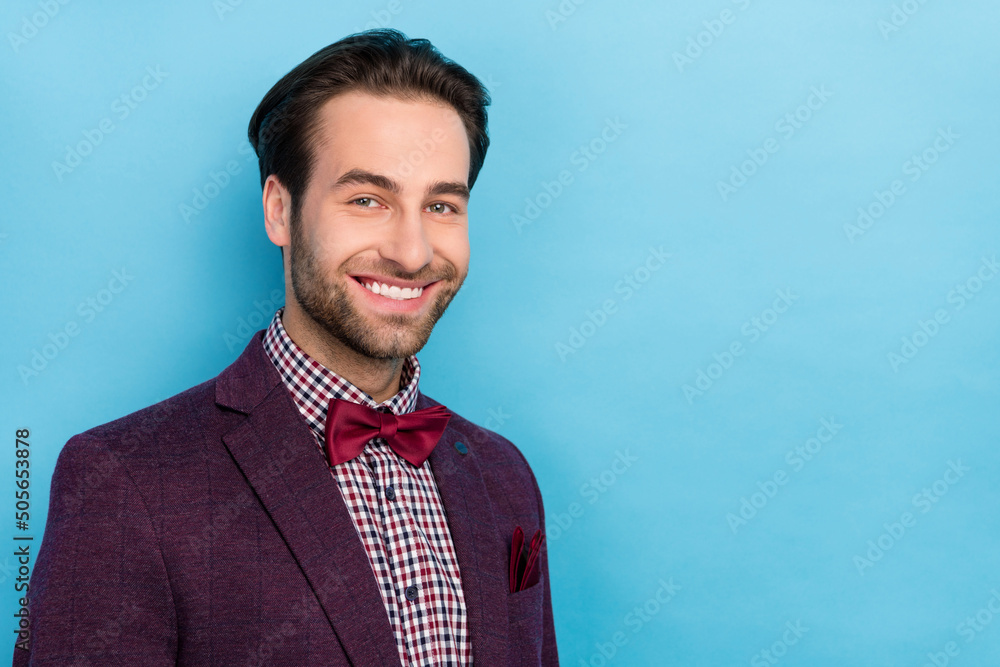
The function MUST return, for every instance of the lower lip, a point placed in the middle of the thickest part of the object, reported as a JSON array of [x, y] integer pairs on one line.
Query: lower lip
[[384, 303]]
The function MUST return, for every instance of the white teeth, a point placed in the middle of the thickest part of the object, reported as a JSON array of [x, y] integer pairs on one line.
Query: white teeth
[[394, 291]]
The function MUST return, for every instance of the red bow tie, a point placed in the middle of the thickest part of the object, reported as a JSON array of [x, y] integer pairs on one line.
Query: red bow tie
[[413, 436]]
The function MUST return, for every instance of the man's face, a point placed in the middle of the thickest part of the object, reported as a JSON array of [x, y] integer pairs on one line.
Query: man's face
[[386, 204]]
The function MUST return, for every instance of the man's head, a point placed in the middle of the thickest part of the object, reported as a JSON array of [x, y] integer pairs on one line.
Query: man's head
[[367, 151]]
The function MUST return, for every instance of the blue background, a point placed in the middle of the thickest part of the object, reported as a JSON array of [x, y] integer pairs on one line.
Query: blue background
[[692, 93]]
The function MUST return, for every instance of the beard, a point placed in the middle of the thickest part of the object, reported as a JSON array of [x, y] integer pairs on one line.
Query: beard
[[329, 304]]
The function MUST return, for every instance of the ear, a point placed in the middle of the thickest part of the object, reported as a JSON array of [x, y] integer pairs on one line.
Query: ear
[[277, 203]]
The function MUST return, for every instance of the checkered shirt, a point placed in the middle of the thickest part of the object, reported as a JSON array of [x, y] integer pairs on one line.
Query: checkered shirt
[[396, 509]]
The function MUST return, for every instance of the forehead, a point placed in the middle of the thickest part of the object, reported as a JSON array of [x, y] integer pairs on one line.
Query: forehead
[[419, 139]]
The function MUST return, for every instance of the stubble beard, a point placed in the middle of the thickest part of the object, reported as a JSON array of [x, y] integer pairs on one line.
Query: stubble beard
[[327, 302]]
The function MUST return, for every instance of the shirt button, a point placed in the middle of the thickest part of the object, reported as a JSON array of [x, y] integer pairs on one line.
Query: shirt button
[[390, 492], [411, 592]]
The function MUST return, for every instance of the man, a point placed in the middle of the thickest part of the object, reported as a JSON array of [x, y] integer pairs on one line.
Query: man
[[309, 505]]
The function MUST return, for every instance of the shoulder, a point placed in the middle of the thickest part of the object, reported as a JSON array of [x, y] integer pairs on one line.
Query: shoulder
[[141, 458], [501, 462], [489, 445], [142, 432]]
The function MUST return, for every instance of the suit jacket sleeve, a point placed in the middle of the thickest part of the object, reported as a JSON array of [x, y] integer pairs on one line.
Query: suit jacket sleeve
[[99, 594], [550, 654]]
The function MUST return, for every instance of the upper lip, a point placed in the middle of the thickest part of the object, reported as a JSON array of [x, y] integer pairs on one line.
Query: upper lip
[[382, 280]]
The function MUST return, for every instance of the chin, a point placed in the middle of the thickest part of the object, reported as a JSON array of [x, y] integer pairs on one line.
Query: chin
[[378, 339], [397, 349]]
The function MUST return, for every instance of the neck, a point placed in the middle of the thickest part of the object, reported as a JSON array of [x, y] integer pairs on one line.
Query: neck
[[379, 378]]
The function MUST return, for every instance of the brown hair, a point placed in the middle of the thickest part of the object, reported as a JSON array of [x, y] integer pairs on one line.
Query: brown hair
[[283, 128]]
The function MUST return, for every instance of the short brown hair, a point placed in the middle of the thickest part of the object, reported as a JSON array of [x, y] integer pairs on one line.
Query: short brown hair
[[283, 128]]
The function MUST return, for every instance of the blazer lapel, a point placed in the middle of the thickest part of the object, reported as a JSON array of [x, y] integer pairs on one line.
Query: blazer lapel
[[479, 547], [276, 451]]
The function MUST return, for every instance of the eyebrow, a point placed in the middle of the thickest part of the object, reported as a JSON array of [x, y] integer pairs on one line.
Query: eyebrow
[[361, 177]]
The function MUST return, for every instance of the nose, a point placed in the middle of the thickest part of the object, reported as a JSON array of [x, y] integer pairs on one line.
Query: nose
[[407, 243]]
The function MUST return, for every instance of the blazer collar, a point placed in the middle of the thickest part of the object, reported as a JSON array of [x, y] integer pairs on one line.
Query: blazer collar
[[276, 452]]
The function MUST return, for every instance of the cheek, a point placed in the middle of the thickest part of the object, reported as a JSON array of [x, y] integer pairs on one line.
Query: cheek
[[455, 249], [321, 246], [331, 244], [333, 236]]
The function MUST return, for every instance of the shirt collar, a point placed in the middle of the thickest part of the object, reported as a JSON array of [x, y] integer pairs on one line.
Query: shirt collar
[[312, 385]]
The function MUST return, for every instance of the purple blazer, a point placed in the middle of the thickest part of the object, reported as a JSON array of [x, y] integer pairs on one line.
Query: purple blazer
[[207, 530]]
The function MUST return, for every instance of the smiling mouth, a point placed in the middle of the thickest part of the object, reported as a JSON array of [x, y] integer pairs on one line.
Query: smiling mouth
[[389, 290]]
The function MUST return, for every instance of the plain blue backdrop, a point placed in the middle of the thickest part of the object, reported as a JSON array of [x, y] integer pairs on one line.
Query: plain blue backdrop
[[733, 291]]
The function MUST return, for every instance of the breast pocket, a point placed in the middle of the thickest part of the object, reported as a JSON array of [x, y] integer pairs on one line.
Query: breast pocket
[[524, 612]]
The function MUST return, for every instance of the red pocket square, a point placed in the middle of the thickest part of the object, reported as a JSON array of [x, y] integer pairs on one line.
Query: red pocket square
[[524, 570], [515, 557]]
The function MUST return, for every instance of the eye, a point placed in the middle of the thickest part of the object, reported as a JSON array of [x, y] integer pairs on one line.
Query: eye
[[367, 202], [438, 207]]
